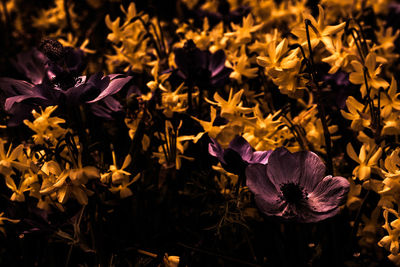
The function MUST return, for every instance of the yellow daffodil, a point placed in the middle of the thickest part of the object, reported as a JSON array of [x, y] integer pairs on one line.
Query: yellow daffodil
[[389, 100], [208, 127], [66, 183], [241, 66], [359, 115], [275, 55], [18, 192], [339, 57], [117, 175], [374, 82], [391, 124], [4, 219], [366, 160], [391, 241], [12, 159], [242, 34], [47, 128], [123, 188], [319, 32], [171, 152], [232, 107]]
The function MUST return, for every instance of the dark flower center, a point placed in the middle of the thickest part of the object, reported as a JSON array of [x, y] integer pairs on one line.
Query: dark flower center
[[53, 49], [293, 193]]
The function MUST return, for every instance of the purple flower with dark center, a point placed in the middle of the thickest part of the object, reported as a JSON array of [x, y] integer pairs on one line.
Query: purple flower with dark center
[[238, 155], [201, 68], [54, 72], [293, 186]]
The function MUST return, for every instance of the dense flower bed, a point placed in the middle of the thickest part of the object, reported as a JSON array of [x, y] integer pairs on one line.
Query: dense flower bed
[[199, 133]]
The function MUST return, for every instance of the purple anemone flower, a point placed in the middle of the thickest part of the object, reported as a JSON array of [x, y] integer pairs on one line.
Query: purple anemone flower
[[202, 68], [293, 186], [238, 155], [54, 74]]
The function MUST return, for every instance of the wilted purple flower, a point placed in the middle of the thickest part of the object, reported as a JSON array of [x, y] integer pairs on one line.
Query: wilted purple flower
[[202, 68], [239, 153], [294, 187]]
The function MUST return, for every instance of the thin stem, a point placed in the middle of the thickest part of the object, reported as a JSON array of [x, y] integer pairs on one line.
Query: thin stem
[[296, 134], [150, 35], [68, 16], [356, 40], [320, 106]]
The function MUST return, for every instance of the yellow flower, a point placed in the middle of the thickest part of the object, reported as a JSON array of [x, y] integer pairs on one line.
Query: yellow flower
[[392, 163], [391, 241], [241, 66], [242, 34], [174, 101], [366, 161], [391, 124], [374, 82], [18, 192], [275, 59], [171, 261], [67, 182], [117, 175], [264, 133], [3, 219], [13, 158], [123, 188], [339, 57], [46, 128], [323, 33], [359, 116], [386, 38], [171, 152], [73, 41], [208, 127], [231, 108], [389, 100], [55, 16]]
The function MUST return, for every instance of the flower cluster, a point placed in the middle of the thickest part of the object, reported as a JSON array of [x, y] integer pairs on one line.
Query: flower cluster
[[228, 113]]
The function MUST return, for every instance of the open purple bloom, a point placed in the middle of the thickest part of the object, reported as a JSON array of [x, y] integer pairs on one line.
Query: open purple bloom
[[238, 155], [293, 186], [55, 81]]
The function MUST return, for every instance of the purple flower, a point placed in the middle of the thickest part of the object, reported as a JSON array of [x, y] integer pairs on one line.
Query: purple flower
[[238, 155], [202, 68], [55, 81], [293, 186]]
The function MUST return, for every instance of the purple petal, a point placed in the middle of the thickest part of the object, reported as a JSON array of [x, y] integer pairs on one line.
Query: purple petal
[[112, 104], [14, 87], [77, 94], [312, 169], [283, 167], [32, 64], [260, 157], [216, 150], [266, 193], [18, 99], [217, 62], [100, 111], [330, 193], [114, 87], [242, 147]]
